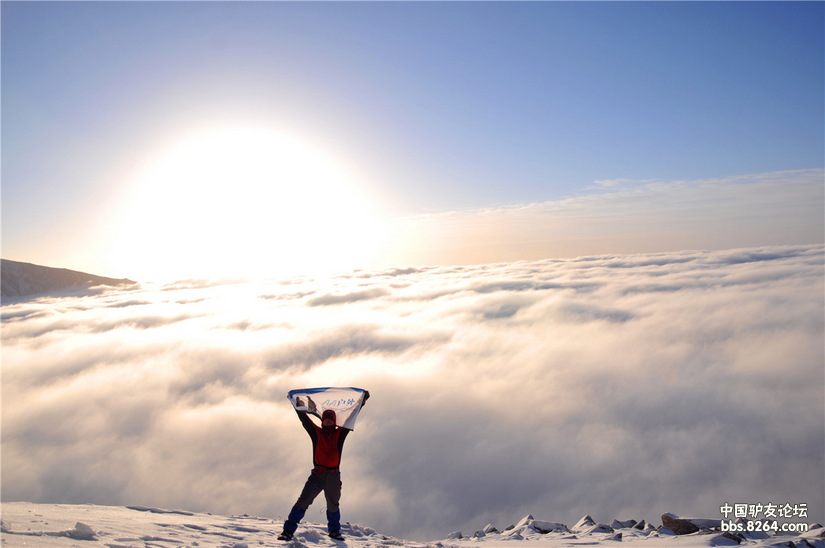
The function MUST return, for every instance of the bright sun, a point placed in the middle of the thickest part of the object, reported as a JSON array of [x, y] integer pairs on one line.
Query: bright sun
[[243, 201]]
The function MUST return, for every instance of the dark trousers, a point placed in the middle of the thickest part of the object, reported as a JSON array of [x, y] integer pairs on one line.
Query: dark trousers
[[330, 484]]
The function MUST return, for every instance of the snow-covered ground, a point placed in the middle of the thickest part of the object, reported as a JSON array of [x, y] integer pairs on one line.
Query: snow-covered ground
[[61, 525]]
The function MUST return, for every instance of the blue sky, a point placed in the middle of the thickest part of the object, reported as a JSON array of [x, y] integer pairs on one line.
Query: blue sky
[[432, 107]]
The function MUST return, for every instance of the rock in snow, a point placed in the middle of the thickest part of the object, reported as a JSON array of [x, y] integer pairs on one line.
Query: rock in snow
[[623, 524], [81, 531], [585, 523], [678, 525], [49, 525], [685, 526]]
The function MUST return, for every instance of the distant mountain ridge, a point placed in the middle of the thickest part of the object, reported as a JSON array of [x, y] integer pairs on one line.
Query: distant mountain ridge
[[24, 279]]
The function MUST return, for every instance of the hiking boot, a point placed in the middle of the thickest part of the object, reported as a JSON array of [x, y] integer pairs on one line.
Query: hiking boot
[[336, 535], [285, 536]]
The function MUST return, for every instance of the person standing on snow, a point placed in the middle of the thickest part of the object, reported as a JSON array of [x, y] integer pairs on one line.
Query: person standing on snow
[[327, 444]]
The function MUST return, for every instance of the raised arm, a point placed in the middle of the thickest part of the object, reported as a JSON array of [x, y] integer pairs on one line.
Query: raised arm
[[306, 422]]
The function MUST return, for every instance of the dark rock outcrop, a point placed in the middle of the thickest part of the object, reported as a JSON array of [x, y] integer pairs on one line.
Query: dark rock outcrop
[[678, 525], [24, 279]]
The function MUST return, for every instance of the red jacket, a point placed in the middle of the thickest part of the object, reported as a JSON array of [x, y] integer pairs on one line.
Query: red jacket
[[327, 444]]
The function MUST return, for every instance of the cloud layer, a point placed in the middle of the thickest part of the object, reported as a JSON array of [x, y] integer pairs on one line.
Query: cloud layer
[[776, 208], [621, 386]]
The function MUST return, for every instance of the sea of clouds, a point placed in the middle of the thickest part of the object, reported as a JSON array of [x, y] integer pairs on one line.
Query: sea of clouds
[[620, 386]]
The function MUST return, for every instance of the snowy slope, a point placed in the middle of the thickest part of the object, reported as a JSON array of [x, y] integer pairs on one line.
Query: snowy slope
[[23, 279], [59, 525]]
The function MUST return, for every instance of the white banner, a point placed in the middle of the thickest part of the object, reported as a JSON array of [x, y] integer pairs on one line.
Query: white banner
[[346, 402]]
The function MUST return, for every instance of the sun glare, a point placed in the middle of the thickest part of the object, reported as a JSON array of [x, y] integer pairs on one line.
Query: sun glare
[[243, 201]]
